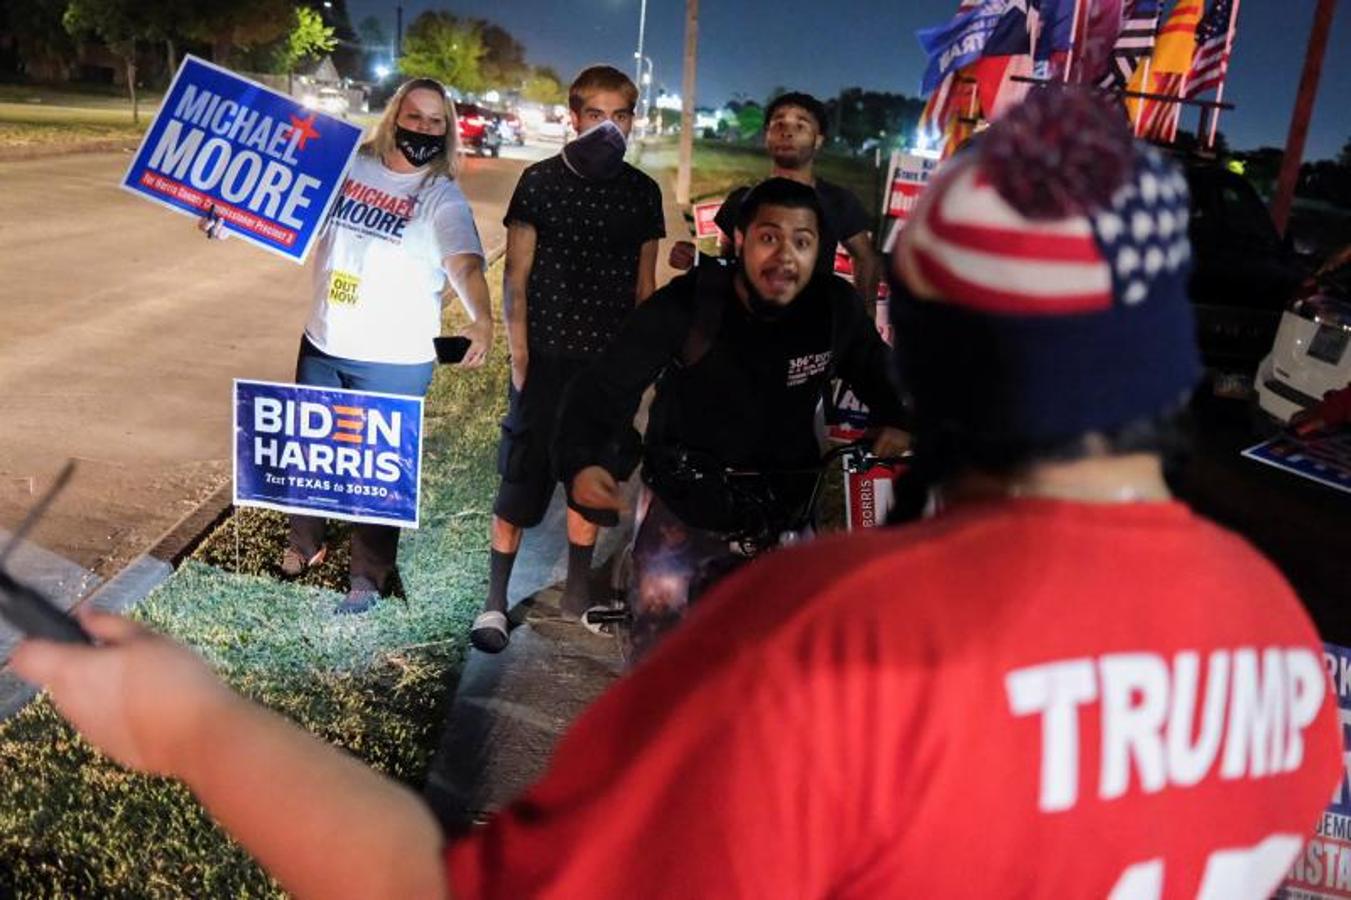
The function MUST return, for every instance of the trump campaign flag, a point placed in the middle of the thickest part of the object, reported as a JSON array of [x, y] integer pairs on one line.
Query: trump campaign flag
[[1007, 56], [1055, 38], [961, 41], [266, 164], [352, 455]]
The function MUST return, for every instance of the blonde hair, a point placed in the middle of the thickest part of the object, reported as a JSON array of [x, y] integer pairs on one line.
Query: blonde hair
[[381, 140]]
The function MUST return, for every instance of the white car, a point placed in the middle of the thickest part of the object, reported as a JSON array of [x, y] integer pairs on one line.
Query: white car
[[1312, 352], [328, 100], [552, 130]]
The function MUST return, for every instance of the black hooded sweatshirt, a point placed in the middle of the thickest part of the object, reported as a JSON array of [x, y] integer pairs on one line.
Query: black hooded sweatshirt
[[736, 386]]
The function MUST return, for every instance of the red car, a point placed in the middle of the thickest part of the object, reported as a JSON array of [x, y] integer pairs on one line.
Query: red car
[[478, 129]]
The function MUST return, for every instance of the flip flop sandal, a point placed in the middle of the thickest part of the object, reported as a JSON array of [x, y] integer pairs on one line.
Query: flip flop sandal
[[294, 563], [489, 633]]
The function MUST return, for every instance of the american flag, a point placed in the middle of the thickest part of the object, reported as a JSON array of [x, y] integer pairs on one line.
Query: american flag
[[1214, 40], [1158, 118], [1139, 23]]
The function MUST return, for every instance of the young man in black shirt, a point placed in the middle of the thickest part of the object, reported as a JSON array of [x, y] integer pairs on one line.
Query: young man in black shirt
[[582, 232], [739, 352], [795, 130]]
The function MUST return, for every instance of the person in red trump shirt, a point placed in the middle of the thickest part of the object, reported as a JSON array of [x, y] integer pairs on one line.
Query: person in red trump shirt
[[1065, 684]]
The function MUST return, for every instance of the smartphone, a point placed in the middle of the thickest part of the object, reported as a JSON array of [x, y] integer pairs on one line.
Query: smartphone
[[36, 616], [450, 350]]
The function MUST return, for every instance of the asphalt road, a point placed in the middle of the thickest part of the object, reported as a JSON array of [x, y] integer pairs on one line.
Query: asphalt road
[[120, 331]]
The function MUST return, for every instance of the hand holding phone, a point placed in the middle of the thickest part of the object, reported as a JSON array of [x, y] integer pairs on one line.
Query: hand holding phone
[[35, 615], [24, 607], [450, 350]]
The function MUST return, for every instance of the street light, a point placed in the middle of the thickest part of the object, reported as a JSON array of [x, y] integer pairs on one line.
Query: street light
[[645, 87]]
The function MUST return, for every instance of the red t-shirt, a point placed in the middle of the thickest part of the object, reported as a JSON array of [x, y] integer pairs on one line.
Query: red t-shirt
[[1018, 699]]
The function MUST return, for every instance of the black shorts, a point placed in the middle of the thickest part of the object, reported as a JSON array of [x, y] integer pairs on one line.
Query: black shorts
[[525, 458]]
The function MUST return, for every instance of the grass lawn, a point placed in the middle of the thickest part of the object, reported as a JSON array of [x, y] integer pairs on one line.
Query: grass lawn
[[35, 116], [73, 824]]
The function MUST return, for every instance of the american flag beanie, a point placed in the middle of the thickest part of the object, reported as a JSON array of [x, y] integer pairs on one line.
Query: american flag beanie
[[1041, 283]]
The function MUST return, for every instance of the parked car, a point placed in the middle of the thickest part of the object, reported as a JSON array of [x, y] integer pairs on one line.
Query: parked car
[[478, 130], [511, 129], [1310, 355], [326, 99], [1243, 272], [552, 129]]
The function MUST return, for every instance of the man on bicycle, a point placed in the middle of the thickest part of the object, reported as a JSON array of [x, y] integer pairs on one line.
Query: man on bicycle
[[739, 352]]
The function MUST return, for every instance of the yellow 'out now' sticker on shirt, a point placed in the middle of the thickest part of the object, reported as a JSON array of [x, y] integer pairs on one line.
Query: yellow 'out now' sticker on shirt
[[342, 288]]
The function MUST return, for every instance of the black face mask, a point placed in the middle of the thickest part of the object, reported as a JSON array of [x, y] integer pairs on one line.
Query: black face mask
[[598, 154], [418, 148]]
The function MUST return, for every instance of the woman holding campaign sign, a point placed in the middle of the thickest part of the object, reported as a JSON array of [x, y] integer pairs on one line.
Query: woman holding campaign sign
[[399, 228]]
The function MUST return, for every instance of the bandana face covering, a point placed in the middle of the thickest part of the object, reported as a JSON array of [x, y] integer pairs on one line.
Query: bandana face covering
[[597, 153], [418, 148]]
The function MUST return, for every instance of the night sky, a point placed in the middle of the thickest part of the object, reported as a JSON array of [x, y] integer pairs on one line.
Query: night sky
[[753, 46]]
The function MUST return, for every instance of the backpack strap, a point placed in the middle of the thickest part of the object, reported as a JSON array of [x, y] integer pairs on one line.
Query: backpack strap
[[712, 281]]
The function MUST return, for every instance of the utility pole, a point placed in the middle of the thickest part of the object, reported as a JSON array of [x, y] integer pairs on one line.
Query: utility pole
[[398, 32], [1299, 120], [638, 54], [687, 103]]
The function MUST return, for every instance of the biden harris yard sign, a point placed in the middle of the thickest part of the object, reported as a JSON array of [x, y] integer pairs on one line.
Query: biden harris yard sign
[[352, 455], [268, 165]]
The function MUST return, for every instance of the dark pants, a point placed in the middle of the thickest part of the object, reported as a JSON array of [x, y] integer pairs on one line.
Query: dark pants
[[525, 457], [375, 548]]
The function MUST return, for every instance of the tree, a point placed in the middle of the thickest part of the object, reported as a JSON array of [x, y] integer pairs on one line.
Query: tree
[[544, 86], [857, 115], [1344, 158], [443, 46], [373, 35], [119, 24], [503, 58], [308, 37], [44, 47], [237, 25], [750, 119]]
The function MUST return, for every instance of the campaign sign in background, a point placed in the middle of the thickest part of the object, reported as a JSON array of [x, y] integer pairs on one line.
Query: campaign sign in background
[[351, 455], [1325, 459], [268, 165], [1323, 868]]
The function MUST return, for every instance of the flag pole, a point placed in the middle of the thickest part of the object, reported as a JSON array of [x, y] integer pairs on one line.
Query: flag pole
[[1074, 33], [1303, 111], [1219, 91], [1140, 105]]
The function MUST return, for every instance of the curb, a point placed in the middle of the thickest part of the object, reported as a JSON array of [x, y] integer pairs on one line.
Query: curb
[[134, 582], [147, 571], [48, 151]]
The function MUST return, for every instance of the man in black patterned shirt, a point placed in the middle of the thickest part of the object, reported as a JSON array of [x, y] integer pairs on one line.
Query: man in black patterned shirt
[[582, 232]]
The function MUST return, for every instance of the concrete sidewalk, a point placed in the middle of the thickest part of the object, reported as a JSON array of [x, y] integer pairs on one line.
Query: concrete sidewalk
[[510, 708]]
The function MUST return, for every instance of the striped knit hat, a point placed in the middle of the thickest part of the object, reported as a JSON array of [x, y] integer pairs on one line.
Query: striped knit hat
[[1042, 280]]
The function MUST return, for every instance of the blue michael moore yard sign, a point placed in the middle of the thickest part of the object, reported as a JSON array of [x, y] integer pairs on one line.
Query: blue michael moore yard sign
[[268, 165], [340, 454]]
